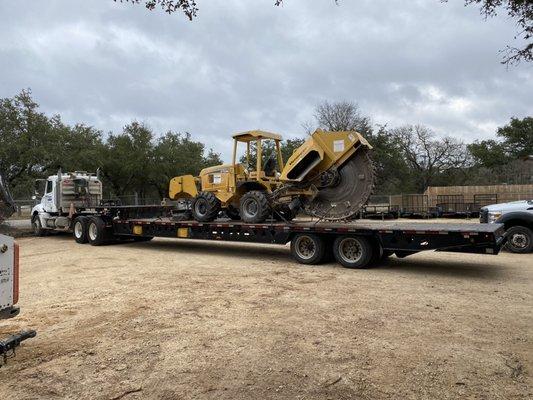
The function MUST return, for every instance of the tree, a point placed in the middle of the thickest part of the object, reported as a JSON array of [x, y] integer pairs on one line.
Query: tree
[[188, 7], [517, 137], [392, 171], [428, 157], [177, 154], [342, 116], [516, 140], [522, 12], [33, 145], [128, 159]]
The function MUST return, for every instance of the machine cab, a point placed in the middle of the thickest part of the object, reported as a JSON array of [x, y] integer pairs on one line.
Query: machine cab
[[263, 159]]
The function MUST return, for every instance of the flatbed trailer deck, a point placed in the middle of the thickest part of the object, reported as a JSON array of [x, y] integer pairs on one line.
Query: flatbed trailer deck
[[355, 244]]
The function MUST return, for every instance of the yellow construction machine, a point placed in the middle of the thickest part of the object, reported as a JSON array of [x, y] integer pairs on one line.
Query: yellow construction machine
[[329, 176]]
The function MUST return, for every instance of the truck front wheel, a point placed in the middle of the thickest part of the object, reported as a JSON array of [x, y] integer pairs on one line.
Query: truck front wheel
[[79, 230], [97, 233], [37, 226], [519, 239]]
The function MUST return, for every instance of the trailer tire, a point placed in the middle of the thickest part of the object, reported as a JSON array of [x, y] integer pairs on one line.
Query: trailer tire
[[205, 207], [353, 251], [254, 207], [97, 232], [307, 248], [79, 230], [37, 226], [519, 239]]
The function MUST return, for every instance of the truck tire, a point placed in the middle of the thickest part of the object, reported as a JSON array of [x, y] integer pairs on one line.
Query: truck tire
[[205, 207], [307, 248], [97, 232], [79, 230], [519, 239], [353, 251], [254, 207], [37, 226]]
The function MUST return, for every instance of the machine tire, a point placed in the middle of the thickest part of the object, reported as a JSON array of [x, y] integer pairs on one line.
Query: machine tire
[[79, 230], [37, 226], [519, 239], [205, 207], [254, 207], [353, 251], [97, 232], [307, 248]]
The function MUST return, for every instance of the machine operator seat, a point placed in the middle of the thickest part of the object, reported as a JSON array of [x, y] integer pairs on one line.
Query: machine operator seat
[[270, 166]]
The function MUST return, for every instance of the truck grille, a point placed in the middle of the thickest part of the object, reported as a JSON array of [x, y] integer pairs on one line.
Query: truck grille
[[484, 216]]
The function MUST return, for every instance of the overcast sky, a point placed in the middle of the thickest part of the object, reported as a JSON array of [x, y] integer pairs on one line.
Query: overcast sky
[[245, 65]]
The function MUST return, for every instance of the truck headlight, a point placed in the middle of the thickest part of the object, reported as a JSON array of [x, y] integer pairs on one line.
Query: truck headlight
[[493, 216]]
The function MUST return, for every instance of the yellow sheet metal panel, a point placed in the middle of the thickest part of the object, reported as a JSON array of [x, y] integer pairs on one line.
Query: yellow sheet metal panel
[[183, 232], [182, 187], [320, 152], [137, 230]]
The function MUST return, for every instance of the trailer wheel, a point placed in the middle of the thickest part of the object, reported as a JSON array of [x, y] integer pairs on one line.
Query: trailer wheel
[[307, 248], [79, 230], [37, 226], [97, 233], [205, 207], [254, 207], [352, 251], [519, 239]]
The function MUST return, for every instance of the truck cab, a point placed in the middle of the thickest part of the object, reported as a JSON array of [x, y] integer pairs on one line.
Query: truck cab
[[517, 217], [64, 196]]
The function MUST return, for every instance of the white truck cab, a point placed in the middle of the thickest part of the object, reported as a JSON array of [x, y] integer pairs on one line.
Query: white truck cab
[[517, 217], [63, 197]]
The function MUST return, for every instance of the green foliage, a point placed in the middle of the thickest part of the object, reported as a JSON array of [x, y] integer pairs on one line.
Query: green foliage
[[516, 140], [33, 145]]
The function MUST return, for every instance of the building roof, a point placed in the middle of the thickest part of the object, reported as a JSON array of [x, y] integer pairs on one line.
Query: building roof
[[254, 135]]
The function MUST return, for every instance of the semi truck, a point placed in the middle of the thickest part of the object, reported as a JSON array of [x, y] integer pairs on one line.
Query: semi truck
[[69, 204]]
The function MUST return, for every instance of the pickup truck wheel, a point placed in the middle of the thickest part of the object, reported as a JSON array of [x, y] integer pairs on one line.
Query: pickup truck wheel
[[37, 226], [307, 248], [352, 251], [205, 207], [519, 239], [79, 230], [97, 233]]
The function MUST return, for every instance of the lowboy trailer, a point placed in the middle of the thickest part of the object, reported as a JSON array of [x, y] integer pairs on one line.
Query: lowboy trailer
[[356, 244]]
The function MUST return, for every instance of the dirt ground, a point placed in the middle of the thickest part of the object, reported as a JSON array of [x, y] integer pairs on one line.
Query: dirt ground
[[175, 319]]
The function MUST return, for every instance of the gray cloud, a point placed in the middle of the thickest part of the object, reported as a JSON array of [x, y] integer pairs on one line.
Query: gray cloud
[[244, 65]]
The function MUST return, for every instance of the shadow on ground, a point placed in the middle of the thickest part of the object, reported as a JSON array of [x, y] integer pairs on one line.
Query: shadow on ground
[[412, 265]]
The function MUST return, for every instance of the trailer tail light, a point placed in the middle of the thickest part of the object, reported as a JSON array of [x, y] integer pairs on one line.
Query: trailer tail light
[[16, 267]]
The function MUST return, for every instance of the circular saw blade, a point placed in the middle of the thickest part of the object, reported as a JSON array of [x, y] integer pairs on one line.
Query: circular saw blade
[[350, 192]]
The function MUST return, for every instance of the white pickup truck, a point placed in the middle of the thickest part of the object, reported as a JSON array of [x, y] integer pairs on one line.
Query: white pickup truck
[[64, 197], [517, 217]]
